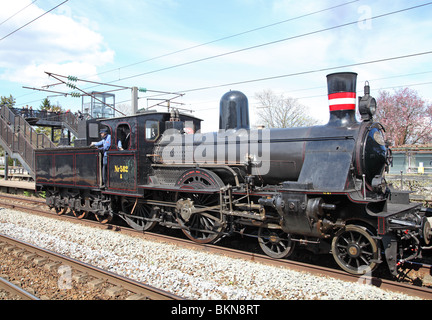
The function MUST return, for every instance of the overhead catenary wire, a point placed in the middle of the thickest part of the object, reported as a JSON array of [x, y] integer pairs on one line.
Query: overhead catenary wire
[[287, 75], [220, 39], [325, 95], [370, 80], [308, 71], [284, 76], [223, 38], [58, 78], [214, 41], [266, 44], [22, 9], [378, 89], [269, 43], [229, 37], [11, 33]]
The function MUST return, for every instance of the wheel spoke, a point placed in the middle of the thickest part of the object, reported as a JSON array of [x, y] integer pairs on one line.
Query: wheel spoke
[[141, 211], [355, 250], [364, 259], [368, 253], [201, 226], [275, 243]]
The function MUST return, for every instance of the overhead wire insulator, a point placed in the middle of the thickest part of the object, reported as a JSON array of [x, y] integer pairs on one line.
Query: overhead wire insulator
[[72, 78], [71, 85], [142, 89], [75, 94]]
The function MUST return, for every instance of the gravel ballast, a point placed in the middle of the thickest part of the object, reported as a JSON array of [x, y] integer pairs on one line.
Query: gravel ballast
[[189, 273]]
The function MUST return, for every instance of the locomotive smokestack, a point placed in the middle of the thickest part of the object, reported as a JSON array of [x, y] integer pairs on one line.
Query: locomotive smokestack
[[234, 111], [342, 98]]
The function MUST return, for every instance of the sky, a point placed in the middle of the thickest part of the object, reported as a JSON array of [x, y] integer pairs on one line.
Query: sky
[[205, 48]]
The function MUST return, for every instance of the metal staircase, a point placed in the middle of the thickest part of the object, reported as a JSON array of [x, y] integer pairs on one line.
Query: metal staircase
[[20, 140], [51, 119]]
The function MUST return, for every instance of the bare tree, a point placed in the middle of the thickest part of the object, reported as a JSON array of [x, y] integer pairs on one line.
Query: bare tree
[[406, 117], [276, 111], [124, 108]]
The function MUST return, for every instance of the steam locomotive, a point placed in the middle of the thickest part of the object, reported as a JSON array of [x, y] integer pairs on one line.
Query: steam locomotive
[[319, 187]]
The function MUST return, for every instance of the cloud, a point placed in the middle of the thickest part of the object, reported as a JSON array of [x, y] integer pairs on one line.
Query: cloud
[[56, 43]]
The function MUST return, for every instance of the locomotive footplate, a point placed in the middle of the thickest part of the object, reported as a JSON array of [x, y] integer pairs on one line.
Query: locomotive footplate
[[399, 217]]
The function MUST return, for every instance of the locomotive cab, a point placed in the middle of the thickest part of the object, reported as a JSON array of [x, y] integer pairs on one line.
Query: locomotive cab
[[132, 143]]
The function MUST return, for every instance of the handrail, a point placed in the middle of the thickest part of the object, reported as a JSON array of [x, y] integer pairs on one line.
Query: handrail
[[15, 142], [19, 125], [18, 137], [67, 118]]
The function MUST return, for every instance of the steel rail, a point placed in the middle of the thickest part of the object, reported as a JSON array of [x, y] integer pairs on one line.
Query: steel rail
[[422, 292], [15, 290], [150, 292], [412, 290]]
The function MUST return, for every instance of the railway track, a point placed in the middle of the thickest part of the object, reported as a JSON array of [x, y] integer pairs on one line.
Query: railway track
[[82, 272], [14, 290], [419, 291]]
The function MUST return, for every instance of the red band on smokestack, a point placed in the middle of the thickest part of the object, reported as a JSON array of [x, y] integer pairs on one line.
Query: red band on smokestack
[[342, 101]]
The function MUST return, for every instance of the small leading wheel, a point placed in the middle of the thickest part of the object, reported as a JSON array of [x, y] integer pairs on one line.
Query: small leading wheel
[[354, 250], [200, 189], [275, 243], [138, 213]]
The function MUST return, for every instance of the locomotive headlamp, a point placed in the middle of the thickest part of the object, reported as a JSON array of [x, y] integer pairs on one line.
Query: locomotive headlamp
[[379, 184], [367, 104]]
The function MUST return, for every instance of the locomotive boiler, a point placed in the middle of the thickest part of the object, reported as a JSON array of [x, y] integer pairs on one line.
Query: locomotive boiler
[[319, 187], [320, 155]]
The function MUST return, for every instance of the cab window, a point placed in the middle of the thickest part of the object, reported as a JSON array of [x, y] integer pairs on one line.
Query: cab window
[[123, 136], [93, 130], [151, 130]]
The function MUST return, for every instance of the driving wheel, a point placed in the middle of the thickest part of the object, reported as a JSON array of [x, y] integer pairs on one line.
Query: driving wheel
[[139, 214], [354, 250], [200, 190]]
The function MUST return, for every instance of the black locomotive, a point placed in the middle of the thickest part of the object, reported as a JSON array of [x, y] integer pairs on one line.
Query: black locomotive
[[321, 187]]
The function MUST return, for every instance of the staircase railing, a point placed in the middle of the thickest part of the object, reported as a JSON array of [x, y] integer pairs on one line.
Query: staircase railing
[[20, 139], [68, 119]]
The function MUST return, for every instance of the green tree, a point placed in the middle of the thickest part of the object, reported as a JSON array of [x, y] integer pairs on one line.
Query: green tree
[[46, 105], [8, 102]]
